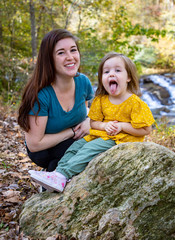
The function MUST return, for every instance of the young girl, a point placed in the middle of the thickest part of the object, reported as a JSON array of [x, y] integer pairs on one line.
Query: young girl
[[117, 116]]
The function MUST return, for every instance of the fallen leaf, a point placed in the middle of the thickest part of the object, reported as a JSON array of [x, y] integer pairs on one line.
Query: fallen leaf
[[20, 154], [26, 159], [14, 199], [10, 193]]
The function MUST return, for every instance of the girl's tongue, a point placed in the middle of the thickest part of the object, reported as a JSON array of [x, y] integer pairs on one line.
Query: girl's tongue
[[113, 86]]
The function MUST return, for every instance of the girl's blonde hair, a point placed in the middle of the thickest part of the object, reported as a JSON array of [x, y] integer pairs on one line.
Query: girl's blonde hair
[[133, 85]]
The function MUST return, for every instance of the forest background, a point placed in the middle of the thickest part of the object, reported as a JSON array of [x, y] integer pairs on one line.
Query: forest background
[[143, 30]]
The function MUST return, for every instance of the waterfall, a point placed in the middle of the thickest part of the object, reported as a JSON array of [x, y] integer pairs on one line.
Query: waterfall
[[158, 91]]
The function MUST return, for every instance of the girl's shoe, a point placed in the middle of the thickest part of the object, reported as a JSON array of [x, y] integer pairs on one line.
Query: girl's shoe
[[52, 181]]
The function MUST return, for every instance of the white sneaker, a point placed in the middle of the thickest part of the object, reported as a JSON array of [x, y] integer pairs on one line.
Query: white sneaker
[[52, 181]]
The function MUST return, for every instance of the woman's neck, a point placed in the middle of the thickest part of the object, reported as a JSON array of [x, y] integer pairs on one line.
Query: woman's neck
[[63, 84], [65, 92]]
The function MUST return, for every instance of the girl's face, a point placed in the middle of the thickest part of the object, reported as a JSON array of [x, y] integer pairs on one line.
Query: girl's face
[[66, 58], [115, 77]]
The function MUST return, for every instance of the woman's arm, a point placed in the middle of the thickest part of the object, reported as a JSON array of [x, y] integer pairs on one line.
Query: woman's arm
[[36, 138], [82, 128]]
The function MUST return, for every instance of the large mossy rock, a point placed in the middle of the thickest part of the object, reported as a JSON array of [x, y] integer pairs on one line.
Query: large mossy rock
[[126, 193]]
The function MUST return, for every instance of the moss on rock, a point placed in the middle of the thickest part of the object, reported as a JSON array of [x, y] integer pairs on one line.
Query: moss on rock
[[126, 193]]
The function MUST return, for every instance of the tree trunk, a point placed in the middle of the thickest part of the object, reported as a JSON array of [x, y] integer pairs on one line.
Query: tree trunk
[[33, 28], [69, 14], [1, 35]]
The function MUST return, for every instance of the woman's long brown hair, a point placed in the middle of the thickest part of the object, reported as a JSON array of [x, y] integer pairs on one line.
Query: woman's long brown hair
[[43, 74]]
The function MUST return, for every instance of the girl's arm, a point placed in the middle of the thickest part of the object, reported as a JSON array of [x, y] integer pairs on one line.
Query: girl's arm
[[114, 127], [127, 127], [36, 138], [110, 127], [97, 125]]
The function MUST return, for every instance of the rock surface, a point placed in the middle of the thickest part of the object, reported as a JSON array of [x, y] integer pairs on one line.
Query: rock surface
[[125, 193]]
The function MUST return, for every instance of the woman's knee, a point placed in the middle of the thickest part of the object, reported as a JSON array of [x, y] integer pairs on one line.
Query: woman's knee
[[40, 158]]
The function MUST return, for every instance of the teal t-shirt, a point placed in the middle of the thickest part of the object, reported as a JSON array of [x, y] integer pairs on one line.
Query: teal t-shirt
[[58, 119]]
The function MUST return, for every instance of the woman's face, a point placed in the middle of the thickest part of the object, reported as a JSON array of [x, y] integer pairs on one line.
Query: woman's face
[[66, 58]]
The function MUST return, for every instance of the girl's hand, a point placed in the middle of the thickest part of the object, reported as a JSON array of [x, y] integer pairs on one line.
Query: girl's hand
[[112, 128], [118, 129], [82, 129]]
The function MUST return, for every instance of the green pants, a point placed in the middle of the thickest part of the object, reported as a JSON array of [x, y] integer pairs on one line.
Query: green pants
[[80, 153]]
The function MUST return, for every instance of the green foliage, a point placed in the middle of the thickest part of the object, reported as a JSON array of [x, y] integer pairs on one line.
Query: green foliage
[[3, 225], [102, 26], [119, 39], [5, 165], [147, 56], [91, 53], [163, 128], [165, 61], [13, 76]]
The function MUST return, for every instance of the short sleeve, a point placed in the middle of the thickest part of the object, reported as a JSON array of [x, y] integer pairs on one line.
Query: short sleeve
[[95, 112], [141, 115], [90, 91], [44, 105]]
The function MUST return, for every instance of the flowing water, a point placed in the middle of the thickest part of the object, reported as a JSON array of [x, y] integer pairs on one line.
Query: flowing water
[[158, 91]]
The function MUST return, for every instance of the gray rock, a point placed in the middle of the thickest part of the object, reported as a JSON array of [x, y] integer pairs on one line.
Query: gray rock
[[125, 193]]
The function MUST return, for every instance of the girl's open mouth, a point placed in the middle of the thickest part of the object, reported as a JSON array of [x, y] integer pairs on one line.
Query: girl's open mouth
[[113, 86]]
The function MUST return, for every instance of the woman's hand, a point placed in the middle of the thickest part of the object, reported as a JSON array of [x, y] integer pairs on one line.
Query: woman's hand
[[82, 129]]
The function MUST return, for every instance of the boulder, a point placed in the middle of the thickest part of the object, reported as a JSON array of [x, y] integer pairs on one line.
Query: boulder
[[126, 193]]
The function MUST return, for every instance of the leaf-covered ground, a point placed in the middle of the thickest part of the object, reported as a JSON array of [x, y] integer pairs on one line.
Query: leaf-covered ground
[[15, 184]]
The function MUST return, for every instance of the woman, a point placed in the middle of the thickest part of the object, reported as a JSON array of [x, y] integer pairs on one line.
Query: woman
[[54, 104]]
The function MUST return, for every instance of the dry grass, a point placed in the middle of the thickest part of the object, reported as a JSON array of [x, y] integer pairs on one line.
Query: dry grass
[[163, 134]]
